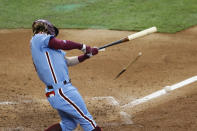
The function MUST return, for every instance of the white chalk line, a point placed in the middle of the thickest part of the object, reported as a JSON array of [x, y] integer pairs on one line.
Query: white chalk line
[[23, 102], [8, 103], [160, 92]]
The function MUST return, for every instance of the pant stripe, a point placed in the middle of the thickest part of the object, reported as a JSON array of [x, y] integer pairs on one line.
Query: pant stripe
[[76, 108]]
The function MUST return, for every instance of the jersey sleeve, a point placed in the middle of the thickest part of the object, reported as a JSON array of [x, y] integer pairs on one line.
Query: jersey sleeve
[[55, 43], [47, 40], [40, 41]]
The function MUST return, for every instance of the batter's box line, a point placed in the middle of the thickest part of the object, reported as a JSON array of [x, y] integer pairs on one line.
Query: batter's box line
[[165, 90], [111, 100], [23, 102]]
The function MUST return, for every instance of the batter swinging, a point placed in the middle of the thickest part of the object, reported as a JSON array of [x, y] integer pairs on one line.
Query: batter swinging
[[51, 65]]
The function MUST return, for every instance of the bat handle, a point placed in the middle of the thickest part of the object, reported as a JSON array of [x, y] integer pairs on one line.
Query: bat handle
[[114, 43], [102, 47]]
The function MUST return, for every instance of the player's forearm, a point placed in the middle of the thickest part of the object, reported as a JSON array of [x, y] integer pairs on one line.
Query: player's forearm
[[71, 61], [64, 44], [74, 60]]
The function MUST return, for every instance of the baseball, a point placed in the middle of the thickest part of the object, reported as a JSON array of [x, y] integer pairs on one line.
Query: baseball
[[140, 53], [167, 89]]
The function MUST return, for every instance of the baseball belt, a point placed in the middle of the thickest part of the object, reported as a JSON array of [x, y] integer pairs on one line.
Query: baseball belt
[[64, 82]]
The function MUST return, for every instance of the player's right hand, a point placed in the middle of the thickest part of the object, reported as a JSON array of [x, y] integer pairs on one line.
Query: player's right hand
[[94, 50]]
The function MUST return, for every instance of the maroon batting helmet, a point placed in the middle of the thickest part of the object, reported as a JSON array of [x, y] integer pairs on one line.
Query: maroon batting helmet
[[42, 25]]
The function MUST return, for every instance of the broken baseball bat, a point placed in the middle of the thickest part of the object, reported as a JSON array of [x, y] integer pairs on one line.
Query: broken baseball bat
[[130, 63]]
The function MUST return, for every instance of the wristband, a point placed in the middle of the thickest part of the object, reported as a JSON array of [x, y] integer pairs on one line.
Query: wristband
[[83, 57], [83, 48]]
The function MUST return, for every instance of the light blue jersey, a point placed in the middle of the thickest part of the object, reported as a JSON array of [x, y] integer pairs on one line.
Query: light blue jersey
[[50, 64], [52, 69]]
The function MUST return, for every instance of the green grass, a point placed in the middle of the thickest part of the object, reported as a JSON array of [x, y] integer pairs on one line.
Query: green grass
[[167, 15]]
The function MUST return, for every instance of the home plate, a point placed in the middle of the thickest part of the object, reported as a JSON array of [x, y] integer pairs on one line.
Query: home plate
[[109, 108]]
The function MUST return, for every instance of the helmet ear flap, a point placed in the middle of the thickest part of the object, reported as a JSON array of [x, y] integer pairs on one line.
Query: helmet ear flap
[[52, 30]]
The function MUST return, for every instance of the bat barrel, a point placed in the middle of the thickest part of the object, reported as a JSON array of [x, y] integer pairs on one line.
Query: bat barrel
[[142, 33], [131, 37]]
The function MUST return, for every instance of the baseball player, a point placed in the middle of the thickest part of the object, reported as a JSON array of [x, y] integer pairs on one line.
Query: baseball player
[[51, 65]]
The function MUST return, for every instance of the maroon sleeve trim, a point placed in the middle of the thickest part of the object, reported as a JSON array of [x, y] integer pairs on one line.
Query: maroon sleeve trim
[[83, 57], [64, 44]]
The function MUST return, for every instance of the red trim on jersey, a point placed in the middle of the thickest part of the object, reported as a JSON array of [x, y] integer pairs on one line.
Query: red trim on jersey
[[49, 61], [76, 108]]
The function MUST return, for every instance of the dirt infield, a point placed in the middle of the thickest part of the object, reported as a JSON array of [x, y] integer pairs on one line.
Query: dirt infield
[[167, 59]]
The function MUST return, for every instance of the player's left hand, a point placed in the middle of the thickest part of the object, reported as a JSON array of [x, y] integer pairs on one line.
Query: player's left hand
[[93, 51]]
